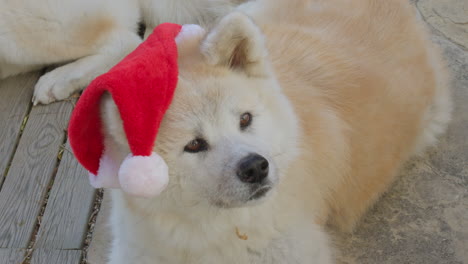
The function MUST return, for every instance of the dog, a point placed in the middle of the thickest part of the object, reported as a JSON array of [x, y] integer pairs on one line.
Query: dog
[[288, 117], [85, 37]]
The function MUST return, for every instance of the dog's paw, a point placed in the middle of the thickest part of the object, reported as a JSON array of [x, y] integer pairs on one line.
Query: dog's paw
[[55, 86]]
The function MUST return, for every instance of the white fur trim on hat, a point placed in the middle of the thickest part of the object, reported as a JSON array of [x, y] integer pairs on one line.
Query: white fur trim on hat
[[145, 176]]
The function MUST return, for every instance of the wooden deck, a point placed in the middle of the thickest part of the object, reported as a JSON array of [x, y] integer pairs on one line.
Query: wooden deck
[[45, 198]]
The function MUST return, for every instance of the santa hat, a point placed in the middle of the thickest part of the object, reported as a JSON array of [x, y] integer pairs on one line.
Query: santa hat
[[142, 86]]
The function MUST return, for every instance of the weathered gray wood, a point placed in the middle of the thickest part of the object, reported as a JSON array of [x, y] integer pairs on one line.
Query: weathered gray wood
[[11, 256], [15, 95], [65, 220], [98, 250], [31, 170], [45, 256]]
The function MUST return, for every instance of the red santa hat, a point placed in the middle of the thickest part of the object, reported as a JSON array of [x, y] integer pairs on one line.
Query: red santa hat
[[142, 86]]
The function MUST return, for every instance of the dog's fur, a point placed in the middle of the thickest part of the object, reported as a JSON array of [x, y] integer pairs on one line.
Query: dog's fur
[[87, 37], [341, 92]]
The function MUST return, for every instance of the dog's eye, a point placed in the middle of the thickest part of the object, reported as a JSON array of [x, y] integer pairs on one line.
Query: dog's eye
[[196, 145], [245, 120]]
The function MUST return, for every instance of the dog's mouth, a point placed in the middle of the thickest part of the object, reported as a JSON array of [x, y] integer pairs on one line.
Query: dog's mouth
[[259, 192]]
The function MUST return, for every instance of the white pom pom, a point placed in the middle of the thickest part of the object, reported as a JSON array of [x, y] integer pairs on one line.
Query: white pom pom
[[189, 32], [145, 176], [188, 40]]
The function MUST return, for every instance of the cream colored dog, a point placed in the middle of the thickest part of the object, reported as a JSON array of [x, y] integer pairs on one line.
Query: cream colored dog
[[298, 116], [86, 36]]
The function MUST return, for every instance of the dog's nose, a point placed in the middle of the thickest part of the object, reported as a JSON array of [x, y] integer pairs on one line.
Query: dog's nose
[[252, 169]]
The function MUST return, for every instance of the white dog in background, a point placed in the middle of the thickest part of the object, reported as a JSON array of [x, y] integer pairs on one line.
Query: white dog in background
[[86, 37]]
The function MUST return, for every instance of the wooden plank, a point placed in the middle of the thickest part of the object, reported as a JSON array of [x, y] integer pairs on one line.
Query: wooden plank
[[45, 256], [15, 97], [100, 245], [11, 256], [30, 173], [66, 217]]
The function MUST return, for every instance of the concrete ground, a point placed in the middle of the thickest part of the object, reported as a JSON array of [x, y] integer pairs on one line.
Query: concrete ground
[[423, 219]]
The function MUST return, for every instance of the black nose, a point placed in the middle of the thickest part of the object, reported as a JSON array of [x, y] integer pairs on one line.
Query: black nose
[[252, 169]]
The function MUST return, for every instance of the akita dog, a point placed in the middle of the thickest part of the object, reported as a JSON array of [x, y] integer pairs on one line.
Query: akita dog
[[288, 115]]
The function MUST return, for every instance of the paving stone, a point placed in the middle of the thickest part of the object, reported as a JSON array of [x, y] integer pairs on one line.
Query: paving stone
[[449, 17]]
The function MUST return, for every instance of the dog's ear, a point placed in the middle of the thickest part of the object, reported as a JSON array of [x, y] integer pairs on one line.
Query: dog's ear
[[237, 43]]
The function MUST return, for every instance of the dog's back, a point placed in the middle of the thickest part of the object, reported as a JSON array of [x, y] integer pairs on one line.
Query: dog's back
[[369, 88]]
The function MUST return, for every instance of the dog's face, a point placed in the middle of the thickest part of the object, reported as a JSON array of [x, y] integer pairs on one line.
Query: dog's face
[[226, 138], [230, 132]]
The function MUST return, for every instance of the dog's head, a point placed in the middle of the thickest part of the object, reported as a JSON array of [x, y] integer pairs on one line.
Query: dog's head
[[229, 133]]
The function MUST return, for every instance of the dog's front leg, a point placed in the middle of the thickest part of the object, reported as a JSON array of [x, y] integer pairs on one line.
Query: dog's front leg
[[63, 81], [123, 256]]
